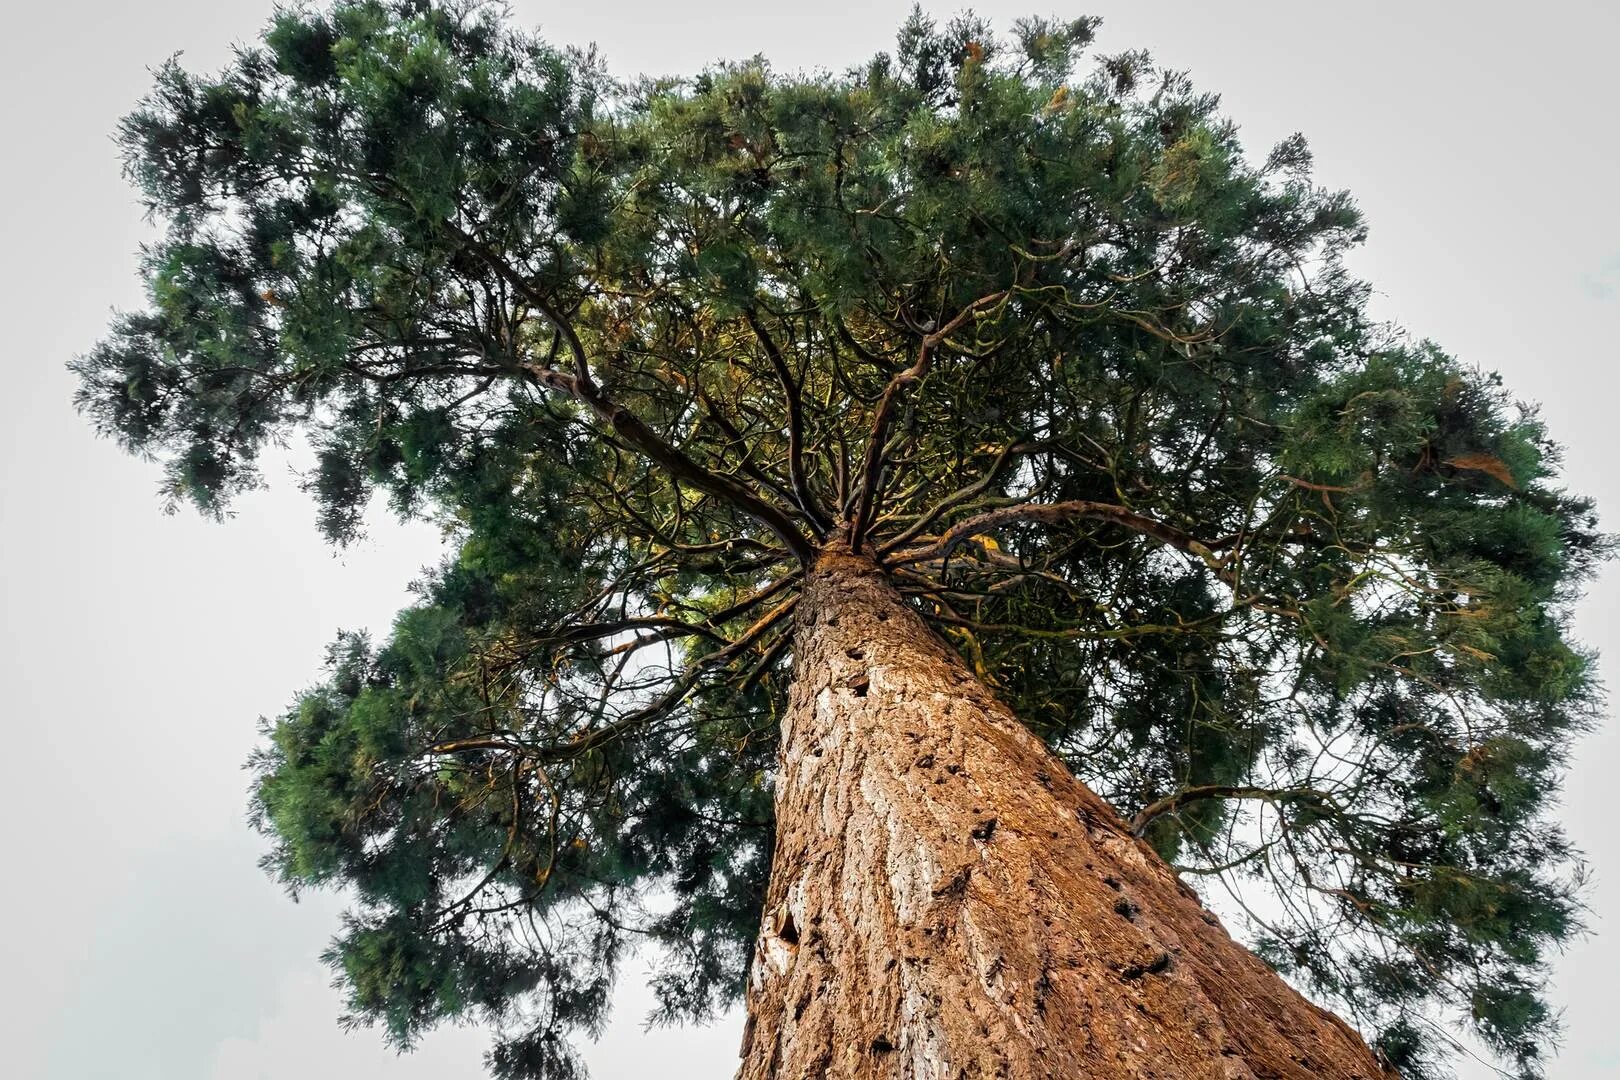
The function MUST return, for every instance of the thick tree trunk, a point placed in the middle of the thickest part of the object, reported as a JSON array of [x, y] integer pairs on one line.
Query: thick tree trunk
[[947, 901]]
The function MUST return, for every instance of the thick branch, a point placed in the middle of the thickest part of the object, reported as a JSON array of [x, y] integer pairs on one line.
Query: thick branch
[[634, 431]]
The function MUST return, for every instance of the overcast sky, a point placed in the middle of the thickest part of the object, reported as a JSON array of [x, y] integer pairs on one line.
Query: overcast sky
[[137, 936]]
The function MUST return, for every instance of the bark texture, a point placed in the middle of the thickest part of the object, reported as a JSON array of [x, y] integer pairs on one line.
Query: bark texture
[[947, 901]]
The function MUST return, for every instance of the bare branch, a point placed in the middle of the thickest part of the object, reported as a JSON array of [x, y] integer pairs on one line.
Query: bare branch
[[1051, 513], [1172, 803], [883, 415], [795, 409]]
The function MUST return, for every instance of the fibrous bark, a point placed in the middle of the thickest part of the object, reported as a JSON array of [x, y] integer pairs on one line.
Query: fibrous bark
[[948, 901]]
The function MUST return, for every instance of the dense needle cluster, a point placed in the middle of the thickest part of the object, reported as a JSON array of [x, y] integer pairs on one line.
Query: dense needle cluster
[[1095, 389]]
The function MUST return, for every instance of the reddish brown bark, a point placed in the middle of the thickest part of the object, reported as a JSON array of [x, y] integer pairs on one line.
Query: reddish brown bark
[[947, 901]]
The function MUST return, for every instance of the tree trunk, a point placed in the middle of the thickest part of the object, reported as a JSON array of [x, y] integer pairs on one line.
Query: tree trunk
[[947, 901]]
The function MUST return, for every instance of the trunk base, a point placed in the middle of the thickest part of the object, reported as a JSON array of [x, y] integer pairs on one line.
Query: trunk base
[[948, 901]]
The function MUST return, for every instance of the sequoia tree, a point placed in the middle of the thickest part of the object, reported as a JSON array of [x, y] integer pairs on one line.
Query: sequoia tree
[[909, 522]]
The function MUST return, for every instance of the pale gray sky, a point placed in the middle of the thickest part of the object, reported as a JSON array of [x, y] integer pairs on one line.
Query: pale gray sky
[[140, 940]]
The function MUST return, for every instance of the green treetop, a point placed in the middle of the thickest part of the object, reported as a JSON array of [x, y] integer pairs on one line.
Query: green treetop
[[1094, 389]]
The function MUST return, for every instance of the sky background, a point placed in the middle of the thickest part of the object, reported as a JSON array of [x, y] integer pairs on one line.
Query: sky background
[[136, 650]]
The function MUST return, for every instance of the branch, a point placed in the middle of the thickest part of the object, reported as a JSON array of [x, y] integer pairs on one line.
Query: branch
[[508, 273], [629, 427], [957, 497], [1172, 803], [795, 409], [634, 431], [872, 465], [1051, 513], [592, 631], [765, 480]]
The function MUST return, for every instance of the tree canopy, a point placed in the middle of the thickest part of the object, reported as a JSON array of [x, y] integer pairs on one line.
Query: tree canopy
[[1284, 584]]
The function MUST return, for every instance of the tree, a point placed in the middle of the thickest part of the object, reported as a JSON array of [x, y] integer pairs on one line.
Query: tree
[[799, 433]]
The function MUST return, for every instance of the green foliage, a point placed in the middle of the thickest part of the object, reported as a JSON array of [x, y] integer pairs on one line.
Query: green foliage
[[1094, 389]]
